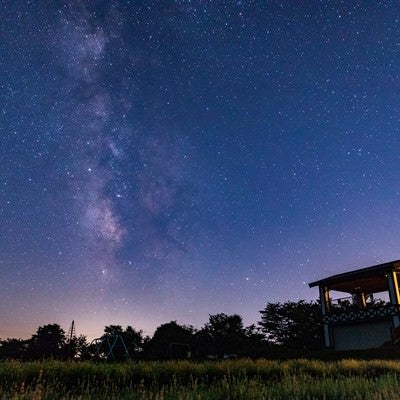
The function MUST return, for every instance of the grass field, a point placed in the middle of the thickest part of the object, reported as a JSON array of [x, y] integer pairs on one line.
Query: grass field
[[225, 380]]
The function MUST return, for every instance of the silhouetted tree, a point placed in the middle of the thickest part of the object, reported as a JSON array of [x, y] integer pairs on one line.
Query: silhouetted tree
[[255, 344], [75, 347], [168, 337], [134, 340], [292, 324], [113, 330], [48, 341], [13, 349], [221, 335]]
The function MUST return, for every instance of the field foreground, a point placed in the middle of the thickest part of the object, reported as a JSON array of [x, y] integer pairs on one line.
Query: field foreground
[[225, 380]]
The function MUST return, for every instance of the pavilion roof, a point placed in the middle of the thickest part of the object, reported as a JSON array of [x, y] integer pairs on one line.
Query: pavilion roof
[[368, 280]]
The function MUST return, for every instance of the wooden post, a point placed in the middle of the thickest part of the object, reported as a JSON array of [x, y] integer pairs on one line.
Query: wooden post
[[394, 295], [361, 299], [324, 299]]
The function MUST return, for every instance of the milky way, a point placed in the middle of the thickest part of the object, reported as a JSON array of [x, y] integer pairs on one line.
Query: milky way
[[121, 168], [166, 161]]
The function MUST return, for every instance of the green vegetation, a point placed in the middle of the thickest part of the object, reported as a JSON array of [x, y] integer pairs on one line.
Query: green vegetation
[[224, 380]]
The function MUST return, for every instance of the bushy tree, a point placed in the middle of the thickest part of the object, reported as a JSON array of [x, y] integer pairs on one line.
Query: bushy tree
[[13, 349], [170, 340], [292, 324], [47, 342], [222, 335], [74, 348], [255, 344], [134, 340]]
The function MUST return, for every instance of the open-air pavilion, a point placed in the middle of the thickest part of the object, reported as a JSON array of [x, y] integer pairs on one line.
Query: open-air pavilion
[[359, 321]]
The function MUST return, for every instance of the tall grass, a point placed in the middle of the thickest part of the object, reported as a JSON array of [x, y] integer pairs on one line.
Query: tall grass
[[183, 380]]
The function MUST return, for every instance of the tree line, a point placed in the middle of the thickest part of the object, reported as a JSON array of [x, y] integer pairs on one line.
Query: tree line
[[289, 325]]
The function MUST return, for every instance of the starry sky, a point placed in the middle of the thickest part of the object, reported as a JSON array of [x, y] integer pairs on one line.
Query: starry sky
[[167, 160]]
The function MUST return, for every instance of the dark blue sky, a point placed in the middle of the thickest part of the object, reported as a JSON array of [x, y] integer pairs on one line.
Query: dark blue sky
[[169, 160]]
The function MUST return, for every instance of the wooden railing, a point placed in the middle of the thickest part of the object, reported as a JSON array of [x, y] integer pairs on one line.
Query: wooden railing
[[362, 314]]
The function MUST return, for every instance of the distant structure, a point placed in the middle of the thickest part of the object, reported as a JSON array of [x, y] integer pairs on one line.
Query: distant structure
[[179, 350], [105, 346], [71, 341], [357, 321], [71, 332]]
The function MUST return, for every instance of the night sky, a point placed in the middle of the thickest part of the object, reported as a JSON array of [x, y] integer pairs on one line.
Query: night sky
[[167, 160]]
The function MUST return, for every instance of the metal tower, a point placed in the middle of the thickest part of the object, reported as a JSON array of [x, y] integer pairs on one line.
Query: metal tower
[[71, 332]]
